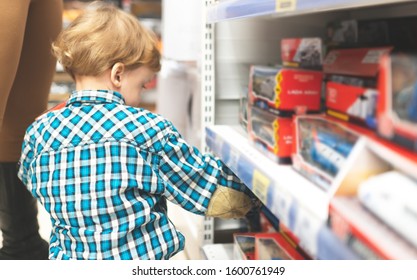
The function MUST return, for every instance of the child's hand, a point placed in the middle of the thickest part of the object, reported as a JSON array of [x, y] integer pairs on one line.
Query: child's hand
[[256, 203], [227, 203]]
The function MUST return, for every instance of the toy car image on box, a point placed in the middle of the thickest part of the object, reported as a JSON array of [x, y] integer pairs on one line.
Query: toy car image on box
[[271, 134], [351, 78], [284, 91], [397, 105], [321, 148], [273, 246], [302, 52]]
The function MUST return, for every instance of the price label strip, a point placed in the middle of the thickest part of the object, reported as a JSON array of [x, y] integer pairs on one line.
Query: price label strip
[[285, 5], [260, 185]]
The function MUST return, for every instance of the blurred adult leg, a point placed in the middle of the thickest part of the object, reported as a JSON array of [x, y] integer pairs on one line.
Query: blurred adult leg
[[27, 29]]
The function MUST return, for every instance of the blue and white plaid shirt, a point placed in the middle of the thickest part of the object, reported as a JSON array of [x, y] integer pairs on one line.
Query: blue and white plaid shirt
[[103, 170]]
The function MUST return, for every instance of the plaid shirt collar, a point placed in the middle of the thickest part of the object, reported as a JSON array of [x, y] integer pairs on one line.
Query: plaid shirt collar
[[95, 96]]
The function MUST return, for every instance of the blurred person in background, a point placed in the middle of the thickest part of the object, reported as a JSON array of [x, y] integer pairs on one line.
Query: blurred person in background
[[27, 28]]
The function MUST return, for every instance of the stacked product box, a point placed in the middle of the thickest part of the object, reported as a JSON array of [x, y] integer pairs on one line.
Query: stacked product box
[[277, 93], [243, 111], [365, 234], [399, 31], [390, 196], [354, 33], [372, 209], [274, 246], [304, 53], [351, 77], [397, 105], [321, 149], [332, 155], [271, 134], [264, 246], [243, 246], [379, 220]]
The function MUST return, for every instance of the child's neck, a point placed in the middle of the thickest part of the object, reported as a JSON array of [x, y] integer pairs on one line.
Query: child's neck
[[93, 82]]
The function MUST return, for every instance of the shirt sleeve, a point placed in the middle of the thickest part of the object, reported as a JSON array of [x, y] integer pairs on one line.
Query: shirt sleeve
[[25, 160], [192, 177]]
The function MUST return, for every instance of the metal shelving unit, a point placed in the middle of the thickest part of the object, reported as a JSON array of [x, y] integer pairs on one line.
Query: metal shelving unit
[[243, 32], [218, 251], [207, 104]]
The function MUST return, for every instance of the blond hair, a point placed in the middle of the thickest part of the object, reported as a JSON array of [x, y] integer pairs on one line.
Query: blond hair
[[102, 36]]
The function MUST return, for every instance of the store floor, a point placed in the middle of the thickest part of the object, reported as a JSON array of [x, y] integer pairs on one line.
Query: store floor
[[45, 229]]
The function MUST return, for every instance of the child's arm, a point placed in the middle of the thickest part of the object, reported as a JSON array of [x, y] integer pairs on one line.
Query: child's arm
[[200, 183]]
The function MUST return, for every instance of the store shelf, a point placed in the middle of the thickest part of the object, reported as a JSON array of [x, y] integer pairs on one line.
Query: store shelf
[[218, 251], [330, 247], [299, 204], [265, 177], [234, 9]]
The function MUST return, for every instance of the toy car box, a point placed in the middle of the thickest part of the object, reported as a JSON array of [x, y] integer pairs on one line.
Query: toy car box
[[397, 105], [303, 53], [353, 33], [274, 246], [283, 91], [398, 191], [365, 234], [264, 246], [244, 246], [351, 77], [321, 148], [243, 110], [271, 134], [398, 31]]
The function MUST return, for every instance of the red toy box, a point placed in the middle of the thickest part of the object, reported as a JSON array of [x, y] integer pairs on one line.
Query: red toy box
[[283, 91], [397, 105], [243, 110], [264, 246], [302, 52], [351, 83], [271, 134]]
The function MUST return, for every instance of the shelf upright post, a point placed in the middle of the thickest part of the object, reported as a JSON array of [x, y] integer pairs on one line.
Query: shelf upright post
[[208, 97]]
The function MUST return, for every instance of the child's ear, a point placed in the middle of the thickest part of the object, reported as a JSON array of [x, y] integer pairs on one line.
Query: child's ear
[[116, 74]]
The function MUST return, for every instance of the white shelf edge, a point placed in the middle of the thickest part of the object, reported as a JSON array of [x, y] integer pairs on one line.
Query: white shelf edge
[[218, 251], [237, 9]]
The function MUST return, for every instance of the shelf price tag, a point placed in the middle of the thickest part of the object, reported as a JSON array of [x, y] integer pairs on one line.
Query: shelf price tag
[[260, 185], [285, 5]]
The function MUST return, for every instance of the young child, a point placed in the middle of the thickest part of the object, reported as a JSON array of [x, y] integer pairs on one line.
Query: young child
[[102, 167]]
